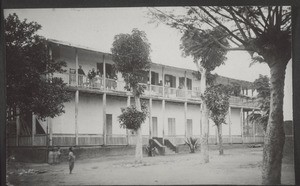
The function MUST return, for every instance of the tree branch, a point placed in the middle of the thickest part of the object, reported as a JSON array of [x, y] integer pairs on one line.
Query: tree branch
[[253, 15], [221, 25], [262, 16], [239, 26], [255, 29]]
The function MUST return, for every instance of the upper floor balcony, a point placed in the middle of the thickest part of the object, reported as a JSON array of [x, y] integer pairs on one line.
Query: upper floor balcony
[[157, 91], [117, 86]]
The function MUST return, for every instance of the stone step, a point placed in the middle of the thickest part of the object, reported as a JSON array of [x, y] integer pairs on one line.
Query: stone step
[[169, 151]]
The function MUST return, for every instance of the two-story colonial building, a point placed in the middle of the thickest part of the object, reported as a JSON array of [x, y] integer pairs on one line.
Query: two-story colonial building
[[172, 96]]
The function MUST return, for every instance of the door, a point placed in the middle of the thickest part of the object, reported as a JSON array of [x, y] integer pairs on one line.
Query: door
[[189, 128], [154, 127], [171, 127], [109, 124]]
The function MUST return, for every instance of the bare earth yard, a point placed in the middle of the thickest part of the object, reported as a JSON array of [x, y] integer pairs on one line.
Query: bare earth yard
[[237, 167]]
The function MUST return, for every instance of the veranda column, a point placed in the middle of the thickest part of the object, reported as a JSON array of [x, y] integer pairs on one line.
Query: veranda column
[[127, 131], [104, 101], [163, 120], [49, 120], [150, 105], [150, 118], [229, 124], [185, 105], [33, 131], [200, 122], [163, 104], [253, 129], [185, 119], [76, 97], [17, 126], [76, 116], [242, 124]]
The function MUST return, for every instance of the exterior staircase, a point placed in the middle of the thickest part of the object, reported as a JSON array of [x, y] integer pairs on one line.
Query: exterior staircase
[[169, 151], [166, 149]]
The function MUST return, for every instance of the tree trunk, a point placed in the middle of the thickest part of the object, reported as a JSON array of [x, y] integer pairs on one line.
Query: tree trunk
[[204, 120], [221, 151], [139, 142], [274, 136]]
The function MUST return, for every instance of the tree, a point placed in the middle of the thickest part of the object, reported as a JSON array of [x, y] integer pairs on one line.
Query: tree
[[265, 32], [29, 68], [131, 54], [206, 60], [262, 85], [216, 98]]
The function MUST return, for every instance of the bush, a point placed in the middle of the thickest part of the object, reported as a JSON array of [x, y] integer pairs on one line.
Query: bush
[[131, 118], [151, 149], [192, 143]]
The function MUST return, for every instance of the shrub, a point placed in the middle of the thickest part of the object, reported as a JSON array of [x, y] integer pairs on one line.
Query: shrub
[[192, 143], [131, 118], [151, 149]]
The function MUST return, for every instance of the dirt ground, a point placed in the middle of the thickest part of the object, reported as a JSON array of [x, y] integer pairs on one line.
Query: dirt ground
[[236, 167]]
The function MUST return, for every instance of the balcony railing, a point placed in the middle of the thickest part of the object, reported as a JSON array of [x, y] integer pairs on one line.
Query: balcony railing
[[240, 101], [151, 90], [116, 85]]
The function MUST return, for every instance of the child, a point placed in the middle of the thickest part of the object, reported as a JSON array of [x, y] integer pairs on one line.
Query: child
[[58, 155], [71, 159]]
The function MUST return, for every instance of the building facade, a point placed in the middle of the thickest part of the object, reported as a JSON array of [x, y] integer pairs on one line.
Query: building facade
[[172, 96]]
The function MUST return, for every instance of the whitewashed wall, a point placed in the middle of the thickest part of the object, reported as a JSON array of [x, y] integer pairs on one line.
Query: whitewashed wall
[[65, 123], [175, 110], [113, 106], [193, 112], [90, 118]]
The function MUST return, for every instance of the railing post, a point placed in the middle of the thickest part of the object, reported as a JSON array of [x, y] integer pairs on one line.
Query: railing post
[[76, 67], [104, 72]]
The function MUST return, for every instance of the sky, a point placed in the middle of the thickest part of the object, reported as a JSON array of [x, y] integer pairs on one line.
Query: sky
[[96, 27]]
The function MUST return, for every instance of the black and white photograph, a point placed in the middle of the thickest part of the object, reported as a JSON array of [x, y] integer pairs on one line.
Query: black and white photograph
[[158, 95]]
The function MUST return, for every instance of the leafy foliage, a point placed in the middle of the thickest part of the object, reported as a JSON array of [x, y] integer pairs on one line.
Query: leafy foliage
[[262, 85], [256, 29], [210, 78], [192, 143], [131, 118], [202, 47], [28, 64], [216, 98], [236, 89], [131, 54]]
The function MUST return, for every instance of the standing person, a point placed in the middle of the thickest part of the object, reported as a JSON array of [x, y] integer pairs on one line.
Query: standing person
[[93, 75], [80, 75], [71, 159]]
